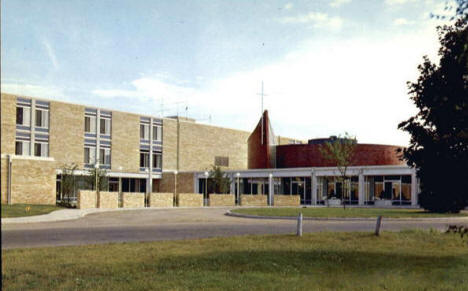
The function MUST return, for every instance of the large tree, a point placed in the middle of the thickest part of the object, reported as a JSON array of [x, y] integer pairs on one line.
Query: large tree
[[439, 131]]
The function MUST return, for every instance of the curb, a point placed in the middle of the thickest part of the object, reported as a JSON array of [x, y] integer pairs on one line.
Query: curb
[[229, 213]]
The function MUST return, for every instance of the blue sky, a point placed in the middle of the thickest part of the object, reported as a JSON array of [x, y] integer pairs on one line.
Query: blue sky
[[328, 66]]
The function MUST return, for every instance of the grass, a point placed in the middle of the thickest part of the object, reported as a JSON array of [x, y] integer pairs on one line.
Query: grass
[[348, 212], [19, 210], [408, 260]]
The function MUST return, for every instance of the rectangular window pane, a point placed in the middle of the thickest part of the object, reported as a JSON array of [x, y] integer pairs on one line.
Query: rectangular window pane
[[45, 118], [39, 118], [44, 150], [86, 155], [87, 124], [19, 148], [26, 145], [142, 131], [108, 129], [142, 160], [102, 126], [19, 115], [155, 133], [102, 154], [108, 157], [92, 155], [37, 149]]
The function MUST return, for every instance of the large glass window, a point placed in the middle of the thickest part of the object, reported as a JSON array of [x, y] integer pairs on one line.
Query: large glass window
[[104, 156], [104, 126], [157, 133], [144, 131], [90, 124], [23, 116], [42, 118], [144, 158], [22, 148], [89, 155], [157, 160], [41, 149]]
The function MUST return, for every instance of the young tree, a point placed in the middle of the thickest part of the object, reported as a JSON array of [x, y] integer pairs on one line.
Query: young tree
[[220, 181], [99, 175], [439, 131], [340, 152], [67, 186]]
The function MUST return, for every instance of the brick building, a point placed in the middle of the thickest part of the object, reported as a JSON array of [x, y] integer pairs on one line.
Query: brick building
[[153, 154]]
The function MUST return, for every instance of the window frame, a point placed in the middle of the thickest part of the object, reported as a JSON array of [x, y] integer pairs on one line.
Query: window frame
[[42, 146], [44, 118], [23, 121]]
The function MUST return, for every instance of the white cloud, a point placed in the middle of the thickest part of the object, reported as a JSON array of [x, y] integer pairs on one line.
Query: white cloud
[[402, 22], [317, 19], [398, 2], [288, 6], [338, 3], [19, 88], [51, 53]]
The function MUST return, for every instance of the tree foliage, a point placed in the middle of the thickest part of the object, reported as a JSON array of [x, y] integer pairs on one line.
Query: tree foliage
[[68, 182], [102, 179], [220, 182], [439, 131], [341, 153]]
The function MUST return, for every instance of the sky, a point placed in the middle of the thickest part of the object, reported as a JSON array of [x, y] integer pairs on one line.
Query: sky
[[328, 67]]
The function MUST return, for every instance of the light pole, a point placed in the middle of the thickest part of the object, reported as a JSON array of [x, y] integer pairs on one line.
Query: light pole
[[96, 169], [238, 189], [175, 182], [270, 188], [206, 187], [147, 185]]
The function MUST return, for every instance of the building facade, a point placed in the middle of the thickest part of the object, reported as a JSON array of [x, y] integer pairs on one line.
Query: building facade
[[40, 138]]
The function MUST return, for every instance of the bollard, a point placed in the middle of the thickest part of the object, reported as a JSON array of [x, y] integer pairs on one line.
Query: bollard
[[377, 226], [299, 225]]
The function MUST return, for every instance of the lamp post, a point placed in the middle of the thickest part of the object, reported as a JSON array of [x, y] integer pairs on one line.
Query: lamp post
[[175, 182], [238, 189], [96, 168], [270, 188], [206, 187]]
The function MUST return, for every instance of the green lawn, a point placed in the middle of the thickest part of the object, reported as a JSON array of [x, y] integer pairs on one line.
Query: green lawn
[[18, 210], [348, 212], [409, 260]]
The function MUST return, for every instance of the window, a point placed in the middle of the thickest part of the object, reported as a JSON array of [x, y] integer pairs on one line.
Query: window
[[104, 126], [104, 156], [157, 161], [144, 159], [40, 149], [90, 155], [157, 134], [42, 118], [23, 115], [22, 148], [144, 131], [90, 124]]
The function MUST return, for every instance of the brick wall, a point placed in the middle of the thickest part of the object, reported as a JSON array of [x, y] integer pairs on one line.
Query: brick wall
[[86, 199], [254, 200], [287, 200], [66, 131], [3, 181], [33, 181], [108, 199], [133, 200], [125, 142], [222, 200], [161, 200], [185, 183], [8, 123], [189, 200]]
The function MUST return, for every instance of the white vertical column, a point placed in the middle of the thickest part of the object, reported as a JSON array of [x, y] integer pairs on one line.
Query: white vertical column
[[98, 135], [361, 187], [232, 188], [314, 188], [150, 158], [414, 188], [271, 189], [33, 126]]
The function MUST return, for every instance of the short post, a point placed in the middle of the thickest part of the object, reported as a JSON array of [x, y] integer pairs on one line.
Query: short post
[[377, 226], [299, 225]]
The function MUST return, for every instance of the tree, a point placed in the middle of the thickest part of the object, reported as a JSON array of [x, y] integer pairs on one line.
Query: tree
[[99, 175], [67, 186], [340, 151], [220, 181], [439, 131]]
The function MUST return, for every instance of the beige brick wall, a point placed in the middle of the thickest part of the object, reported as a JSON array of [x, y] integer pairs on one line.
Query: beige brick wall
[[86, 199], [287, 200], [161, 199], [222, 200], [254, 200], [33, 181], [66, 131], [8, 123], [189, 200], [185, 183], [199, 144], [133, 200], [3, 177], [108, 199], [125, 142]]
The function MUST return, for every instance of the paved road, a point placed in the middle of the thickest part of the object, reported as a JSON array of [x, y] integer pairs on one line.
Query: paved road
[[173, 224]]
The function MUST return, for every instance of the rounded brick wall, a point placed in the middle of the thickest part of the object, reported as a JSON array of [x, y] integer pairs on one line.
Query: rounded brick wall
[[305, 155]]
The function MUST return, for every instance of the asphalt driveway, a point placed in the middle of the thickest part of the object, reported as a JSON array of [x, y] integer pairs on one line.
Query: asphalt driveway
[[174, 224]]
